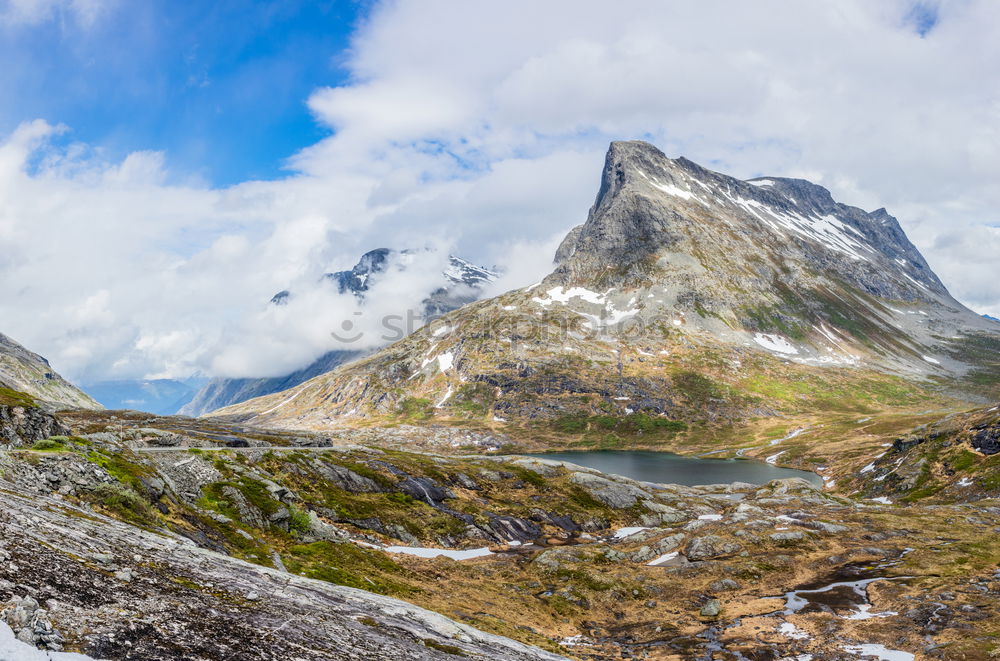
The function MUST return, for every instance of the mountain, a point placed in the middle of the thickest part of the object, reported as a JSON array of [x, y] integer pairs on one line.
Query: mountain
[[461, 283], [26, 372], [688, 295], [159, 396]]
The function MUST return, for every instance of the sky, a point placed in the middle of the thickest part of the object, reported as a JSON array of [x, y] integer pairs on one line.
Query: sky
[[165, 168]]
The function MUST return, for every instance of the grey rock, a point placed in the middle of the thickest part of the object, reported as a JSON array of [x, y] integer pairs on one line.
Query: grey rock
[[617, 494], [712, 608], [710, 546], [723, 585]]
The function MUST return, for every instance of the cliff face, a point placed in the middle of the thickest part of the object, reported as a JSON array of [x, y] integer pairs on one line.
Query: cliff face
[[22, 422], [27, 372]]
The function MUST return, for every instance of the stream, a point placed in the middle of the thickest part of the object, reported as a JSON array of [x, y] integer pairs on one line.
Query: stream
[[843, 595]]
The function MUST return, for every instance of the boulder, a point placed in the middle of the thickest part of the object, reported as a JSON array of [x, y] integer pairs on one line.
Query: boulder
[[723, 585], [616, 494], [710, 546], [712, 608]]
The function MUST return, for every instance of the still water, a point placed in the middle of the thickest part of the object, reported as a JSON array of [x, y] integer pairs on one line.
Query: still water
[[669, 468]]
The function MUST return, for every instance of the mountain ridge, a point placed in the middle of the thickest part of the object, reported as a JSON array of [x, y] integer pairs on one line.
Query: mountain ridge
[[715, 271], [24, 371]]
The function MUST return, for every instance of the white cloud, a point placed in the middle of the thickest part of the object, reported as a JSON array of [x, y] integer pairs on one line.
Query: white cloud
[[482, 126]]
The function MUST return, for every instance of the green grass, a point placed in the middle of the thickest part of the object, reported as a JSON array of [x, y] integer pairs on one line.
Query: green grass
[[127, 472], [10, 397], [629, 425], [123, 502], [49, 445], [347, 564], [415, 408], [964, 460], [441, 647]]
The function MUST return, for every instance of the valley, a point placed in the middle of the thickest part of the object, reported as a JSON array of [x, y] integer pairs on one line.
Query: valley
[[174, 516], [737, 421]]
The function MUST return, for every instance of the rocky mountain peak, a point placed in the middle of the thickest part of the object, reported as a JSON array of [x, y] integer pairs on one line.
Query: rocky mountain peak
[[657, 217]]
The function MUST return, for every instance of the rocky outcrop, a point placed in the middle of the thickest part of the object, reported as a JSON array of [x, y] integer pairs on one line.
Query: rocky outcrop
[[987, 440], [116, 591], [23, 425], [617, 494]]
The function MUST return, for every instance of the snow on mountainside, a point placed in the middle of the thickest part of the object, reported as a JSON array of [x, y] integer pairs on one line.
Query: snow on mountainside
[[680, 271], [24, 371], [461, 283]]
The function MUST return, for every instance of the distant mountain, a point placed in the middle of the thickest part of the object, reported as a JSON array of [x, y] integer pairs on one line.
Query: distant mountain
[[159, 396], [686, 293], [24, 371], [462, 283], [462, 279], [991, 318]]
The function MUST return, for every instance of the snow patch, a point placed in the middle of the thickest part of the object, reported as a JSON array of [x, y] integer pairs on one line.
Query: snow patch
[[446, 361], [563, 295], [864, 612], [789, 630], [424, 552], [622, 533], [880, 652], [774, 343], [12, 649], [773, 459], [444, 399], [666, 557]]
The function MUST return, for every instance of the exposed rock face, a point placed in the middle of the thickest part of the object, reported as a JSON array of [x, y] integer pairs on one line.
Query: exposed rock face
[[950, 458], [650, 206], [27, 372], [674, 259], [23, 425], [618, 494], [116, 604], [987, 440]]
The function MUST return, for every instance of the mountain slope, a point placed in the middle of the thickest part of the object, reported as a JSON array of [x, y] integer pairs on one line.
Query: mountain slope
[[687, 294], [27, 372], [461, 283]]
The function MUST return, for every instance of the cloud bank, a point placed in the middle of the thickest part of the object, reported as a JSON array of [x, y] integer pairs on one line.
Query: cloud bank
[[481, 127]]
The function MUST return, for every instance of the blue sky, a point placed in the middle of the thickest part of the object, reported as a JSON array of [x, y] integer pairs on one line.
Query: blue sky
[[220, 87]]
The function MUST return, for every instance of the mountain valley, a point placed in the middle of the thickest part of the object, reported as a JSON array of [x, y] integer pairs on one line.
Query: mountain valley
[[394, 504]]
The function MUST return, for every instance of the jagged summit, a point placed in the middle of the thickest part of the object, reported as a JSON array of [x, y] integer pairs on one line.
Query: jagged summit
[[680, 270], [650, 206], [359, 279]]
